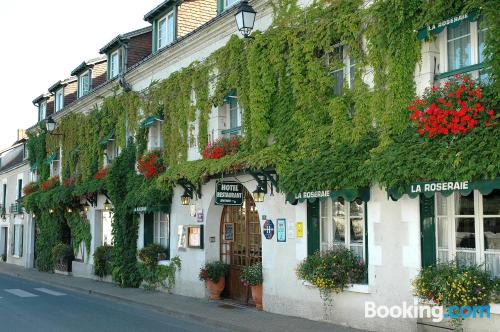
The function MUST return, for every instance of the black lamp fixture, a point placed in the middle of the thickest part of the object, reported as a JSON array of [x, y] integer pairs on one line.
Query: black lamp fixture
[[50, 125], [245, 18], [186, 197], [107, 205], [259, 194], [86, 207], [189, 191]]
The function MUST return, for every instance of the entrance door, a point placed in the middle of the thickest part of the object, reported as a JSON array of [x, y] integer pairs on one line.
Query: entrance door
[[244, 249], [3, 241]]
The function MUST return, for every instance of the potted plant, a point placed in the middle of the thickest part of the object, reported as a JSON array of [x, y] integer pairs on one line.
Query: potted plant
[[4, 257], [62, 255], [213, 274], [252, 276]]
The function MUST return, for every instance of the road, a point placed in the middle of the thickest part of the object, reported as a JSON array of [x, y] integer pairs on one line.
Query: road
[[30, 306]]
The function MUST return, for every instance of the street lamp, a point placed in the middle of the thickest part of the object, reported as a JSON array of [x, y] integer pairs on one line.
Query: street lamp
[[86, 207], [258, 194], [245, 18], [107, 205], [186, 197], [50, 124]]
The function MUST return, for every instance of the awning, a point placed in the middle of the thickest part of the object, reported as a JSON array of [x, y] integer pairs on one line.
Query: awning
[[453, 22], [446, 188], [149, 121], [108, 138], [155, 208], [347, 194]]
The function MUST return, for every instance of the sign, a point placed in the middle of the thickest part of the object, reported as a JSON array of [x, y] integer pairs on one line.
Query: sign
[[195, 237], [281, 232], [299, 225], [268, 229], [192, 210], [199, 215], [181, 237], [229, 231], [313, 194], [290, 230], [427, 187], [228, 193]]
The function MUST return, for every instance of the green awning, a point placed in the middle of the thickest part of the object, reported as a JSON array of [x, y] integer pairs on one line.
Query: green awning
[[155, 208], [453, 22], [149, 121], [428, 189], [347, 194], [108, 138]]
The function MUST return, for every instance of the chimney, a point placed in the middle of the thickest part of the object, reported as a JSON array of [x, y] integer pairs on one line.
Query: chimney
[[21, 133]]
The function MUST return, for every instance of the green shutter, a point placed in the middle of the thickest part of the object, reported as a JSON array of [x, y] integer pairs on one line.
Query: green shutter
[[155, 37], [312, 227], [427, 231], [148, 228]]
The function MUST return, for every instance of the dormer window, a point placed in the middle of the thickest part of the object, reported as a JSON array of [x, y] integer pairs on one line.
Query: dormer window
[[114, 64], [84, 84], [59, 100], [42, 111], [166, 30], [225, 4]]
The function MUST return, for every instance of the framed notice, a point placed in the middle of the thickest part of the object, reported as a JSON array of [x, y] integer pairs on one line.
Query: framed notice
[[195, 237], [181, 237], [229, 231], [290, 229], [281, 230], [299, 229]]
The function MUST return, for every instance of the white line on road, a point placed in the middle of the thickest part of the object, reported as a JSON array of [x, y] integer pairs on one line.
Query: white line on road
[[20, 293], [50, 292]]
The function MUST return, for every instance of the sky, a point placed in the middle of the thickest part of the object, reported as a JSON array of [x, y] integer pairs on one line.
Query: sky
[[41, 42]]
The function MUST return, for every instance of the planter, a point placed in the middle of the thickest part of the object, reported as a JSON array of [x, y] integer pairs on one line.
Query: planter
[[215, 289], [257, 296]]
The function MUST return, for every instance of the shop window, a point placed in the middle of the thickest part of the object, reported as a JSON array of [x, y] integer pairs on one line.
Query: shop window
[[342, 224], [468, 229]]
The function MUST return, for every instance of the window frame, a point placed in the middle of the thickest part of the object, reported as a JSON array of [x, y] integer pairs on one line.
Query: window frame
[[113, 63], [161, 218], [169, 35], [59, 100], [42, 110], [18, 238], [451, 236], [347, 70], [81, 91]]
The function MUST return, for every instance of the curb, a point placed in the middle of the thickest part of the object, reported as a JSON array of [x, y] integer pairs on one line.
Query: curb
[[171, 312]]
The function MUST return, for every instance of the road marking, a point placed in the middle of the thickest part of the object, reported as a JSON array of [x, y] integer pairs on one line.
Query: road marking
[[50, 292], [20, 293]]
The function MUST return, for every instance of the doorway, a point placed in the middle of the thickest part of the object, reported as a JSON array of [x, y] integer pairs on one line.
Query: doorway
[[3, 241], [243, 248]]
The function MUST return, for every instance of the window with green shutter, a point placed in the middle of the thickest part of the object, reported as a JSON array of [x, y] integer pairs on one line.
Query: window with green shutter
[[148, 228], [312, 227], [427, 231]]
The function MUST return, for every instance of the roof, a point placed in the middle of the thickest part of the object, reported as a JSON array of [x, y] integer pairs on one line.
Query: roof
[[40, 98], [12, 157], [122, 38], [56, 86], [87, 64], [150, 16]]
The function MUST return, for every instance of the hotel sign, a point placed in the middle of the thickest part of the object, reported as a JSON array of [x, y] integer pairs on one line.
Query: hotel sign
[[313, 194], [228, 193], [428, 187]]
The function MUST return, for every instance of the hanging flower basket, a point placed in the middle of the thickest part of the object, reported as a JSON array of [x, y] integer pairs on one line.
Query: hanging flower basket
[[453, 109], [50, 183], [151, 164], [30, 188], [224, 146], [102, 173]]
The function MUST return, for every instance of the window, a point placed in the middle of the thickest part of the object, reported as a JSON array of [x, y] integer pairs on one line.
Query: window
[[468, 229], [4, 196], [229, 3], [55, 165], [84, 84], [42, 111], [17, 236], [480, 48], [162, 229], [155, 141], [59, 99], [106, 231], [111, 152], [459, 46], [345, 68], [166, 30], [342, 224], [114, 64], [19, 188]]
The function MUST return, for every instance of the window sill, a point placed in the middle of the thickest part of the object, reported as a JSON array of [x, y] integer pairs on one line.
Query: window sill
[[459, 71], [232, 131], [356, 288]]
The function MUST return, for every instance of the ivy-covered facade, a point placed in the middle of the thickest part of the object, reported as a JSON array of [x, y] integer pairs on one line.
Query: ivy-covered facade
[[315, 110]]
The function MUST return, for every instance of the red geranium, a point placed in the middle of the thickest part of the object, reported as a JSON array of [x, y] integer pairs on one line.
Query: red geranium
[[102, 173], [222, 147], [68, 182], [50, 183], [151, 164], [30, 188], [455, 108]]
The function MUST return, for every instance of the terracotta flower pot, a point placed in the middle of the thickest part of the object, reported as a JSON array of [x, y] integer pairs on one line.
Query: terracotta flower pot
[[257, 296], [215, 288]]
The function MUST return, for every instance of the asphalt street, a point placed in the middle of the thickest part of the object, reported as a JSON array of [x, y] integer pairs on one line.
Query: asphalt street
[[33, 307]]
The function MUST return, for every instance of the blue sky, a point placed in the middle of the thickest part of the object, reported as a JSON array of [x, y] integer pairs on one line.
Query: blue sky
[[42, 41]]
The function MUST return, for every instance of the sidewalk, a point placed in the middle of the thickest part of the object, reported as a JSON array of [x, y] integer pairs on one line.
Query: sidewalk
[[210, 312]]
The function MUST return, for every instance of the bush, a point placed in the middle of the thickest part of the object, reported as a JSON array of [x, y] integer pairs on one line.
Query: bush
[[160, 275], [102, 260], [61, 255], [252, 275], [151, 254], [213, 271], [332, 271]]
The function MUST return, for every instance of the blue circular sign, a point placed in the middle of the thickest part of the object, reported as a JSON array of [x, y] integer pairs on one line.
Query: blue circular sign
[[268, 229]]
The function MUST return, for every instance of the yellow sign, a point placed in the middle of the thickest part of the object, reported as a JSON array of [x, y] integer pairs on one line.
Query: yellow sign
[[300, 229]]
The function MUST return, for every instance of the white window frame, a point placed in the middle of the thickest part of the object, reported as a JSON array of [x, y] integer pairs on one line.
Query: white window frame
[[230, 3], [42, 110], [55, 165], [114, 64], [159, 219], [347, 70], [155, 137], [59, 100], [330, 242], [81, 88], [450, 253], [169, 36], [112, 152], [239, 113]]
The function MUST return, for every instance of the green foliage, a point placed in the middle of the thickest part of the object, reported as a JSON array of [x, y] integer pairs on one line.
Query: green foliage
[[61, 253], [49, 233], [156, 276], [213, 271], [252, 275], [80, 230], [151, 254], [102, 261], [38, 154]]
